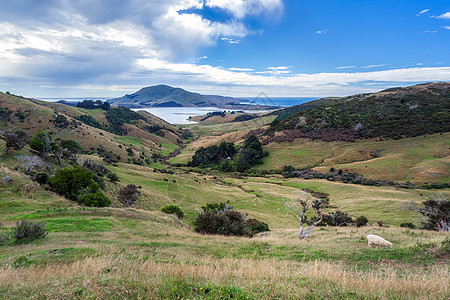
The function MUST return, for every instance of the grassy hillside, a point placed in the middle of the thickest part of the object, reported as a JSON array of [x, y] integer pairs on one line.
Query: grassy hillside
[[145, 136], [394, 113], [419, 160]]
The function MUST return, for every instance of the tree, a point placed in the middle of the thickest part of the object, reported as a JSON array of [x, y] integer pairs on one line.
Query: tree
[[32, 163], [128, 195], [14, 140], [435, 211], [75, 183], [70, 149], [306, 201], [41, 142]]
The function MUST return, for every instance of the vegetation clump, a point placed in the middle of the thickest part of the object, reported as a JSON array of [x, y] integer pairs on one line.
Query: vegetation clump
[[91, 104], [28, 231], [227, 158], [361, 221], [219, 218], [76, 183], [129, 194], [173, 209]]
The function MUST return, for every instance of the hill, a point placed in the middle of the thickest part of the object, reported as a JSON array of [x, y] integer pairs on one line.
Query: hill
[[393, 113], [167, 96], [118, 134]]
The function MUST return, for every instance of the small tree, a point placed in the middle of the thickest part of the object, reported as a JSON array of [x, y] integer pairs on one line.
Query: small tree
[[41, 142], [14, 140], [306, 201], [436, 212], [128, 195], [78, 184], [32, 163]]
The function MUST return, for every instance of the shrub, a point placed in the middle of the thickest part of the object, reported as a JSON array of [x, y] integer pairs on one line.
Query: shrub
[[113, 177], [408, 225], [77, 184], [27, 231], [93, 199], [257, 226], [224, 223], [173, 209], [128, 195], [361, 221], [70, 181], [42, 178]]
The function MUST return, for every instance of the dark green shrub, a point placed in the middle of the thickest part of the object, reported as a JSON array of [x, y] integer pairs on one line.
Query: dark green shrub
[[216, 207], [408, 225], [225, 223], [70, 181], [77, 184], [361, 221], [93, 199], [27, 231], [42, 178], [257, 226], [173, 209], [113, 177]]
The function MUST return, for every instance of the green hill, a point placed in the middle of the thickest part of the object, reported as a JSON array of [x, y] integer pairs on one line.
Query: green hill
[[167, 96], [394, 113]]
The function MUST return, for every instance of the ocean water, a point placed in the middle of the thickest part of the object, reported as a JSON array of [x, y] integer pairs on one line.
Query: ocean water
[[180, 115], [279, 101]]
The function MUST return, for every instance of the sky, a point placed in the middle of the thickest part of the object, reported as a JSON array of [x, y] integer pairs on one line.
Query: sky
[[241, 48]]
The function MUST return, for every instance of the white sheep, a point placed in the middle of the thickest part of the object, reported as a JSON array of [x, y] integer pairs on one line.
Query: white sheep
[[377, 241]]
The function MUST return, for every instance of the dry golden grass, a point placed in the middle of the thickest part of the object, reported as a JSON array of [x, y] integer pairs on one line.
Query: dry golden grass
[[265, 279]]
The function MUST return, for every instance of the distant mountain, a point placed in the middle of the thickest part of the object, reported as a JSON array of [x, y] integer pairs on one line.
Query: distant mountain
[[167, 96], [393, 113]]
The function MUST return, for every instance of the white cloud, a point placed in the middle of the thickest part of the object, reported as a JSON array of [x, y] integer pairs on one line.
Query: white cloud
[[321, 31], [242, 8], [231, 41], [372, 66], [346, 67], [447, 27], [423, 11], [444, 16], [241, 69]]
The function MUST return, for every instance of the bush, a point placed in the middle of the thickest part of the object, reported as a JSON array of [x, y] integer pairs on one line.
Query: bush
[[42, 178], [361, 221], [70, 181], [224, 222], [93, 199], [128, 195], [257, 226], [77, 184], [27, 231], [173, 209], [408, 225], [113, 177]]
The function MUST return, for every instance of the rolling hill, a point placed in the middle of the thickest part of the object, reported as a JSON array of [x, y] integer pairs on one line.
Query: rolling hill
[[393, 113], [108, 133], [167, 96]]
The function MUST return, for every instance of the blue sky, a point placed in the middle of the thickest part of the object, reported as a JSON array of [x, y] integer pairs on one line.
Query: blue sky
[[107, 48]]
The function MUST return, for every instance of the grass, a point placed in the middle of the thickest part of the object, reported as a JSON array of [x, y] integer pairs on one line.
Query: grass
[[419, 159], [161, 260]]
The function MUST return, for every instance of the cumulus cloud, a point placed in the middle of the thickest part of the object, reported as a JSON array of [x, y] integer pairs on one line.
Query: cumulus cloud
[[444, 16], [321, 31], [242, 8]]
